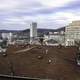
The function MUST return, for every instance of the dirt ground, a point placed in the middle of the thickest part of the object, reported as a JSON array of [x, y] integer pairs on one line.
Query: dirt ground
[[55, 63]]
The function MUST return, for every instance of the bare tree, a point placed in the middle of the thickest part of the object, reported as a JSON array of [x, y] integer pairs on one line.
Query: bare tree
[[77, 43], [41, 41]]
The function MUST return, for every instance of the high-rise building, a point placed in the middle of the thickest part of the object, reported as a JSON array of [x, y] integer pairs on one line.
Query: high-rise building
[[72, 33], [33, 31]]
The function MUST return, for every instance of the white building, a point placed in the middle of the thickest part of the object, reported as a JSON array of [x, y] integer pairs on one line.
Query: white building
[[56, 37], [8, 36], [33, 31], [72, 33]]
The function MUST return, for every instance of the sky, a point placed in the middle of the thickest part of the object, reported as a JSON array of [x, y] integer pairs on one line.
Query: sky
[[51, 14]]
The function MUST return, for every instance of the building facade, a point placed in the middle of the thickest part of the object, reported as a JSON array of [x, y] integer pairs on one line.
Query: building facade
[[58, 37], [72, 33], [33, 31]]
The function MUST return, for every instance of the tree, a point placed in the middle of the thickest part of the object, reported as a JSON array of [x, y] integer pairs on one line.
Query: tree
[[77, 43], [41, 41], [4, 44]]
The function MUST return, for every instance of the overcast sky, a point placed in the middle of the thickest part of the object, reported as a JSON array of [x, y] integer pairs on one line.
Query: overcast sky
[[18, 14]]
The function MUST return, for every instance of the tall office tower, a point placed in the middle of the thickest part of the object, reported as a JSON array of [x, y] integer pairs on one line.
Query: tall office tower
[[33, 31]]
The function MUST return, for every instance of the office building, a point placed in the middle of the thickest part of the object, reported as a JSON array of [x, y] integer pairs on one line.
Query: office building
[[33, 31], [72, 33]]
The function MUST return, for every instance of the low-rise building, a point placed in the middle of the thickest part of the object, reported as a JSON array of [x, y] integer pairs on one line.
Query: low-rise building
[[58, 37]]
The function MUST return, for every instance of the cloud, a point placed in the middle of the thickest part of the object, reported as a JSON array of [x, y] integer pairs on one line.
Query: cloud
[[54, 3], [8, 4], [18, 14]]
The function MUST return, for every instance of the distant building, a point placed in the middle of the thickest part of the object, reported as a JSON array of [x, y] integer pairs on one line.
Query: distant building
[[58, 37], [33, 31], [72, 33], [8, 37]]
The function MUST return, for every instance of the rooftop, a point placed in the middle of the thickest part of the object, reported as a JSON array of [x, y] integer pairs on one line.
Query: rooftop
[[75, 23]]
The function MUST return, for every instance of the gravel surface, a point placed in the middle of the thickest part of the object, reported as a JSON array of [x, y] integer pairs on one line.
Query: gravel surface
[[57, 64]]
